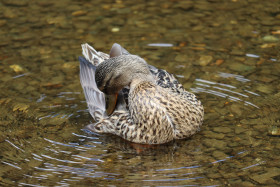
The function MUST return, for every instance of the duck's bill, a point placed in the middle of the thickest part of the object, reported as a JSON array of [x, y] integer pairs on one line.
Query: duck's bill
[[111, 102]]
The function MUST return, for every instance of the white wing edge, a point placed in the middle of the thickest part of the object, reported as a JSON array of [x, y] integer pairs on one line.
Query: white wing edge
[[92, 55], [94, 97]]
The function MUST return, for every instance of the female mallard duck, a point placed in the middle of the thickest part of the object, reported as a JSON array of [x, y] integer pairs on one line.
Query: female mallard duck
[[152, 107]]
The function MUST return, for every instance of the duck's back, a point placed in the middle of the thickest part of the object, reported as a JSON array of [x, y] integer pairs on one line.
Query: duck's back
[[161, 109]]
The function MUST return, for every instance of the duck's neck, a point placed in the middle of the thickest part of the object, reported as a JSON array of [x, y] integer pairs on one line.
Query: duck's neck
[[140, 78]]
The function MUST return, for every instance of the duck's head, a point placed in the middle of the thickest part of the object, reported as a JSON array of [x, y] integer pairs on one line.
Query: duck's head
[[119, 71]]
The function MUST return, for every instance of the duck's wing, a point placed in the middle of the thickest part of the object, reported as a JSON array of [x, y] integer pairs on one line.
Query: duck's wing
[[93, 56], [166, 80], [97, 57], [94, 97]]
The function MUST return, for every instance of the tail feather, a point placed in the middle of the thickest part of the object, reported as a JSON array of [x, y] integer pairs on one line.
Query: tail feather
[[94, 97], [92, 55]]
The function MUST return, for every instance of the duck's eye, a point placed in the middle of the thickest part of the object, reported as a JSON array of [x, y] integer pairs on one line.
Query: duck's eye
[[111, 101]]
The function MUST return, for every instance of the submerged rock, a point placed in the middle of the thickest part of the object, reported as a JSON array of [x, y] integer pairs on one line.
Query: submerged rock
[[17, 68], [268, 89], [265, 177], [213, 143], [219, 155], [210, 134], [270, 38], [2, 22], [181, 58], [222, 129], [21, 107], [205, 60], [79, 13], [239, 67], [16, 2], [274, 131], [239, 129]]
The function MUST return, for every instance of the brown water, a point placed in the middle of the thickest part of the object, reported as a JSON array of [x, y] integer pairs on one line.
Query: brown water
[[227, 52]]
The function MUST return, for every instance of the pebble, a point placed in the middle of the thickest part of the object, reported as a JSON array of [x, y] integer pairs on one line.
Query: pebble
[[268, 22], [47, 45], [29, 52], [268, 45], [70, 67], [239, 67], [115, 29], [267, 79], [124, 10], [205, 60], [237, 52], [20, 107], [210, 134], [4, 42], [222, 129], [2, 22], [274, 130], [219, 62], [265, 177], [80, 25], [16, 2], [56, 121], [270, 38], [181, 58], [17, 68], [185, 5], [250, 121], [236, 109], [214, 175], [8, 13], [79, 13], [265, 88], [23, 37], [213, 143], [211, 116], [219, 155], [239, 129]]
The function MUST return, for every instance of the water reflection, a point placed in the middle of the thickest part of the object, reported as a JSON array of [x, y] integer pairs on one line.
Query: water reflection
[[160, 45]]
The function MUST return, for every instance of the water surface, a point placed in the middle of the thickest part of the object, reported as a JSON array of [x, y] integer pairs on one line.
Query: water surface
[[227, 52]]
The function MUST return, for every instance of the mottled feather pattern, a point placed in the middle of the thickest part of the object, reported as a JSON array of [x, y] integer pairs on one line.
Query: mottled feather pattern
[[154, 118], [167, 80], [155, 107]]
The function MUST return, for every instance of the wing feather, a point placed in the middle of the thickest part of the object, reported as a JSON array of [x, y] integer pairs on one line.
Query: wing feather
[[92, 55], [94, 97]]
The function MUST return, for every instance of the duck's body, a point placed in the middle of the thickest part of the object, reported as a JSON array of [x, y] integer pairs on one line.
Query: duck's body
[[154, 110]]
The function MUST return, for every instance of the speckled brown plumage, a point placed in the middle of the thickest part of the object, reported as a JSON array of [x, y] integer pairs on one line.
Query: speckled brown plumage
[[158, 109]]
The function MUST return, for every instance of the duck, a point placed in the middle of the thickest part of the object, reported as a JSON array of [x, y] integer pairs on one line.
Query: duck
[[140, 103]]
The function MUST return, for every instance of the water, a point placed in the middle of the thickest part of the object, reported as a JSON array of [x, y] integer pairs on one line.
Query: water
[[227, 52]]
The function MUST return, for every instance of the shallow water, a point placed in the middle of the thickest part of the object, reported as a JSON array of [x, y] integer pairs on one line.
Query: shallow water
[[227, 52]]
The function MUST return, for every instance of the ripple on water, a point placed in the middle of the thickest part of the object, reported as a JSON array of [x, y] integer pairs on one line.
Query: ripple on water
[[225, 90], [43, 108], [71, 155]]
